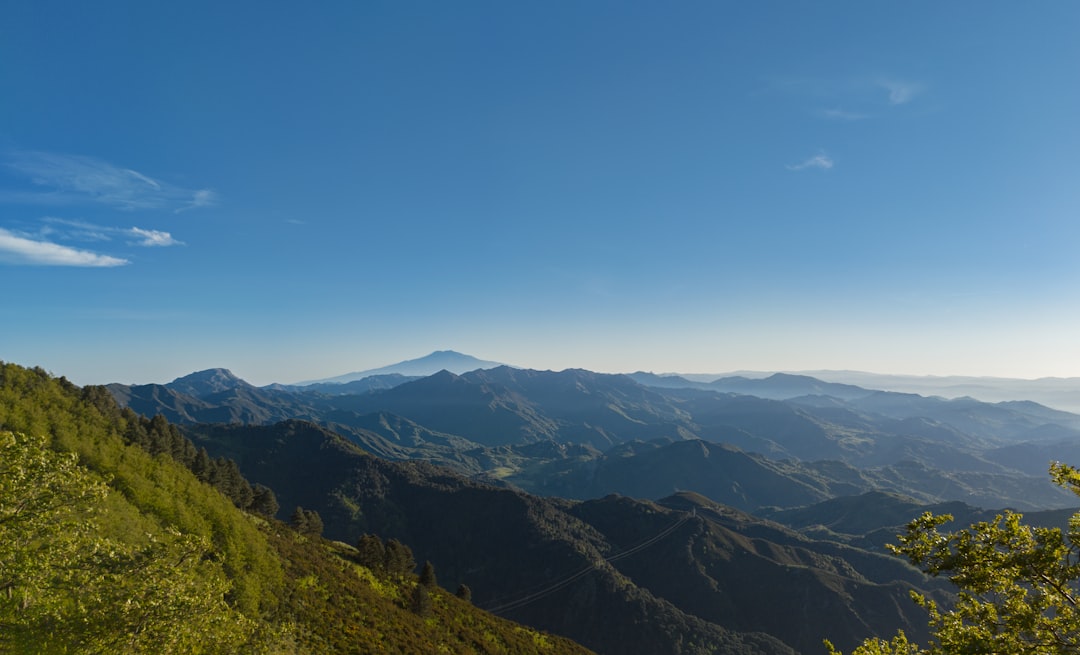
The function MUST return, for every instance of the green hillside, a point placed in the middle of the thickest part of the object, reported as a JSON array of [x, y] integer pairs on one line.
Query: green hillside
[[106, 546]]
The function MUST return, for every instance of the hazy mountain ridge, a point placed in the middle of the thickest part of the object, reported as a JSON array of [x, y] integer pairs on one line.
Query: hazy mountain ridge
[[750, 481], [481, 423], [873, 519], [1059, 393], [362, 385], [440, 360]]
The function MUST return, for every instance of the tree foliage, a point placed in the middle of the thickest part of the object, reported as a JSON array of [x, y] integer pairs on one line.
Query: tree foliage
[[464, 592], [371, 552], [306, 522], [148, 492], [420, 603], [159, 437], [1018, 586], [427, 575], [399, 558], [67, 587]]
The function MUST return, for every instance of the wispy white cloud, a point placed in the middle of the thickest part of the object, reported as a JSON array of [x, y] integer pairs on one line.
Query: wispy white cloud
[[65, 229], [200, 198], [838, 114], [20, 250], [75, 230], [62, 179], [900, 92], [850, 98], [153, 238], [820, 161]]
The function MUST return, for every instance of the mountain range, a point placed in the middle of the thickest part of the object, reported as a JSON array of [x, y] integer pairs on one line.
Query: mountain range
[[630, 513], [1061, 393], [581, 434], [536, 488]]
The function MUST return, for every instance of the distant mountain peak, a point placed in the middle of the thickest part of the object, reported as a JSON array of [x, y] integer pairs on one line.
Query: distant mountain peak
[[204, 383], [440, 360]]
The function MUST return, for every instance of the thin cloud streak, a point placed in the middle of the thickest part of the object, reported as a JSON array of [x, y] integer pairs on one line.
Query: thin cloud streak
[[77, 179], [201, 198], [900, 93], [22, 251], [838, 114], [153, 238], [820, 161], [83, 231], [835, 97]]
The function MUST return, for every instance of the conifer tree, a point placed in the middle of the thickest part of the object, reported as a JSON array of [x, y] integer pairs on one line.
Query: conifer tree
[[399, 558], [421, 601], [306, 522], [202, 465], [314, 523], [371, 553], [299, 520], [427, 575], [464, 593], [135, 431], [264, 501]]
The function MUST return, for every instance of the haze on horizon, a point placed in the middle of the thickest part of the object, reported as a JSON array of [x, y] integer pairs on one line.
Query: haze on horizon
[[297, 193]]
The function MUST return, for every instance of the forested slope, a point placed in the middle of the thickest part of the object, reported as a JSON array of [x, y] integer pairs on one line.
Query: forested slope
[[619, 575], [113, 540]]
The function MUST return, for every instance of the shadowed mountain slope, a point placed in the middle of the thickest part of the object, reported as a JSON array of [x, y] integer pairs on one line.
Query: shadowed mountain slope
[[619, 575]]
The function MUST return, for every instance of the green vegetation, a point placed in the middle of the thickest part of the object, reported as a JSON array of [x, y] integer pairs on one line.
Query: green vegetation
[[116, 535], [1018, 585], [67, 586], [306, 521]]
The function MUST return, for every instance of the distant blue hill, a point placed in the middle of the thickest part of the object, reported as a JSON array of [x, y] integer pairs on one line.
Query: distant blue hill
[[440, 360]]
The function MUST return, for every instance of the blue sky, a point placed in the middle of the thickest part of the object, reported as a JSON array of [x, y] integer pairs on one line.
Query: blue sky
[[295, 192]]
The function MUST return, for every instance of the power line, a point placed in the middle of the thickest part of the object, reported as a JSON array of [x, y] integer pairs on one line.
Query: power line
[[573, 577]]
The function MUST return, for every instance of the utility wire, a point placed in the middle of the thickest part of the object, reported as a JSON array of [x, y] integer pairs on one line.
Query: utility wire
[[573, 577]]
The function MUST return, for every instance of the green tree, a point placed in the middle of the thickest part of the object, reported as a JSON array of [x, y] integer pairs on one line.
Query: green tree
[[421, 600], [314, 523], [264, 501], [371, 552], [41, 495], [299, 520], [427, 575], [464, 593], [306, 522], [202, 465], [1018, 586], [399, 558]]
